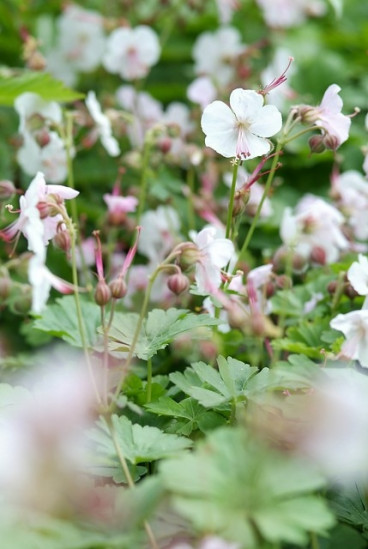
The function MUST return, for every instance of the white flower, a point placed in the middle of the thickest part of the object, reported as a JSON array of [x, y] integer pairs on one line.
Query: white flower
[[214, 254], [241, 131], [214, 52], [131, 52], [159, 232], [103, 125], [41, 280], [289, 13], [202, 91], [50, 159], [29, 104], [358, 275], [354, 326], [351, 189]]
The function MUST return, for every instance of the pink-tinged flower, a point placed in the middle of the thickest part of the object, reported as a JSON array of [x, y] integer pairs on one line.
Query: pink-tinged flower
[[30, 105], [226, 9], [215, 52], [41, 280], [131, 52], [354, 326], [118, 206], [146, 110], [202, 91], [38, 231], [213, 254], [350, 189], [316, 224], [241, 131], [274, 79], [103, 125]]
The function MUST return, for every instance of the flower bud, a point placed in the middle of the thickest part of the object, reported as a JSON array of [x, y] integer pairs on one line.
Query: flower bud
[[62, 240], [44, 209], [5, 286], [258, 326], [178, 283], [7, 190], [42, 137], [36, 62], [318, 255], [331, 142], [237, 316], [270, 289], [189, 256], [308, 114], [164, 144], [118, 288], [332, 286], [316, 144], [102, 293], [350, 292], [23, 301], [299, 263], [284, 282]]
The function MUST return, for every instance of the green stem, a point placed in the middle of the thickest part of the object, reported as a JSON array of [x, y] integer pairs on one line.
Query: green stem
[[129, 477], [299, 134], [314, 541], [260, 205], [231, 201], [149, 380], [190, 182], [143, 182], [339, 291]]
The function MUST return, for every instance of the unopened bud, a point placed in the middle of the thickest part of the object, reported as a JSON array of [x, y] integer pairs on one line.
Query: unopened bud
[[350, 292], [332, 286], [23, 301], [318, 255], [118, 288], [308, 114], [189, 256], [178, 283], [279, 259], [237, 316], [316, 144], [164, 144], [331, 142], [102, 293], [258, 325], [44, 209], [62, 240], [7, 189], [284, 282], [36, 62], [5, 286], [42, 137], [299, 263], [270, 289]]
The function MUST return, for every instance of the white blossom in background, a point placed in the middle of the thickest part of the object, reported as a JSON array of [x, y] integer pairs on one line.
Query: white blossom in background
[[79, 46], [226, 9], [214, 253], [214, 54], [315, 224], [242, 129], [290, 13], [358, 277], [131, 52], [42, 149], [282, 93], [146, 111], [42, 280], [202, 91], [103, 125], [354, 326], [350, 189], [159, 234]]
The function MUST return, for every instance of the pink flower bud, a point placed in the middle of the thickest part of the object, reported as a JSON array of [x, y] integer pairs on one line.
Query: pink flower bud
[[102, 293], [5, 287], [317, 144], [118, 288], [318, 255], [178, 283], [42, 137], [62, 240], [189, 256]]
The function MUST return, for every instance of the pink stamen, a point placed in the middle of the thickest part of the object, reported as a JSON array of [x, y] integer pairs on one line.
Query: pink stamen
[[242, 149], [98, 256], [130, 255], [277, 81]]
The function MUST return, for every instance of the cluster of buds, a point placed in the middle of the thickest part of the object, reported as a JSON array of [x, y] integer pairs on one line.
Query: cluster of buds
[[116, 288]]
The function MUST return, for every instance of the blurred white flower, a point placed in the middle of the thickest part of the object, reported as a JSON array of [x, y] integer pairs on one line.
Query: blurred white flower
[[354, 326], [289, 13], [131, 52], [159, 233], [202, 91], [103, 125]]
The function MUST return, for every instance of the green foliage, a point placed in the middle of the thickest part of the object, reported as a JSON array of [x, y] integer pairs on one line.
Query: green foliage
[[158, 330], [261, 493], [234, 381], [50, 89], [61, 320], [189, 415]]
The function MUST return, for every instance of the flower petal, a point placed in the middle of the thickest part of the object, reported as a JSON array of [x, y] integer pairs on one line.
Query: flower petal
[[268, 123]]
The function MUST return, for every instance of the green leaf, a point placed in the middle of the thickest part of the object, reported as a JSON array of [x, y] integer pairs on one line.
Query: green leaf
[[194, 415], [138, 444], [234, 487], [214, 388], [43, 83], [158, 330], [61, 320]]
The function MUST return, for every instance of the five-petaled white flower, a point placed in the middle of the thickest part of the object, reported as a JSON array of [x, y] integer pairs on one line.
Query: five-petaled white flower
[[242, 130], [103, 125]]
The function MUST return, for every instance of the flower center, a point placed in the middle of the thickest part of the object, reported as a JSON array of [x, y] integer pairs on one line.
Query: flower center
[[242, 145]]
